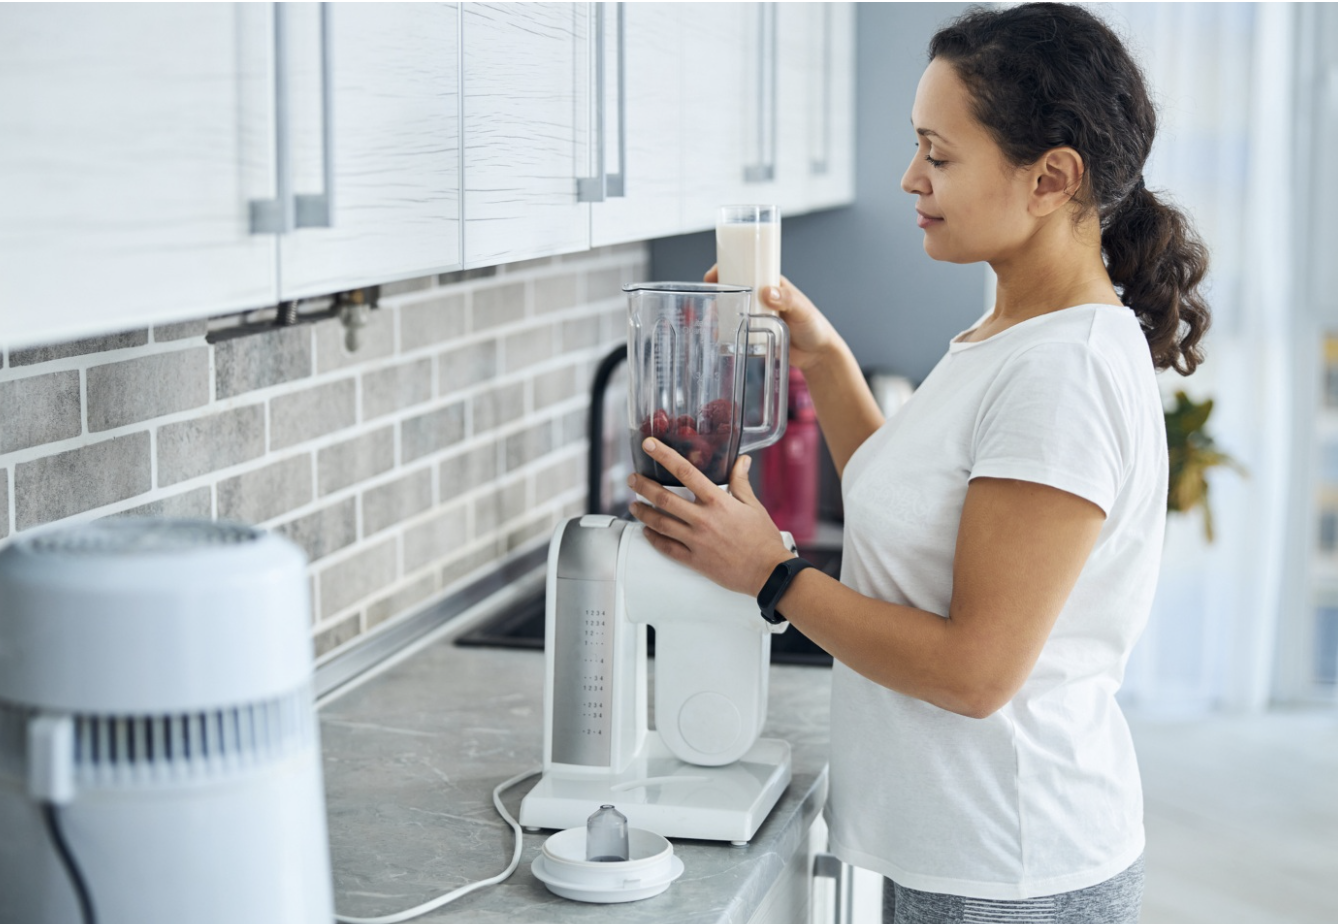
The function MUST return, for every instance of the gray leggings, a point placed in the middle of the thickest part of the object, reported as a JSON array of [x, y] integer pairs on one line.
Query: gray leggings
[[1115, 901]]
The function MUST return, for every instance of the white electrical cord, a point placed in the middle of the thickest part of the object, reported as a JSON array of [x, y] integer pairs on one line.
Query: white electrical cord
[[440, 900]]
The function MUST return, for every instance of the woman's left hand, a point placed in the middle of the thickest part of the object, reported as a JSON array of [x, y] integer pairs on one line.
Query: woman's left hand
[[729, 538]]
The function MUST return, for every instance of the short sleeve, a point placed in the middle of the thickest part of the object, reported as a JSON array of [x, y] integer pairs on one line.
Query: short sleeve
[[1054, 416]]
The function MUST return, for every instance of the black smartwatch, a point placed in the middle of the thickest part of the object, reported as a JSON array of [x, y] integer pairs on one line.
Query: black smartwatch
[[775, 588]]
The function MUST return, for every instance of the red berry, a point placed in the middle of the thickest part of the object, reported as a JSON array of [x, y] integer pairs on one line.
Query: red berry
[[717, 415], [656, 425], [685, 420]]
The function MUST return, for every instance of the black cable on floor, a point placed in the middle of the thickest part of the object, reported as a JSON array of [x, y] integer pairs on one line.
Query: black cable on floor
[[71, 867]]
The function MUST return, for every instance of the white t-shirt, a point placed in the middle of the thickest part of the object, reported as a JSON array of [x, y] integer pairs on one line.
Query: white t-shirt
[[1043, 796]]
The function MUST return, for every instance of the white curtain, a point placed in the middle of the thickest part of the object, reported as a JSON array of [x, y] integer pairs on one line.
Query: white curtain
[[1222, 76]]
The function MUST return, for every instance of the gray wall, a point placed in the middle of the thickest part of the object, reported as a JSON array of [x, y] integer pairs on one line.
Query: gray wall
[[864, 266]]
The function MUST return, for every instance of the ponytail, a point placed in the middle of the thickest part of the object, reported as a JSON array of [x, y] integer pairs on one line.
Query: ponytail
[[1157, 262], [1048, 75]]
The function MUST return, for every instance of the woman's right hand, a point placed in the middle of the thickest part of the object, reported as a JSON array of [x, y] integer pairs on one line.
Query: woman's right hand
[[811, 335]]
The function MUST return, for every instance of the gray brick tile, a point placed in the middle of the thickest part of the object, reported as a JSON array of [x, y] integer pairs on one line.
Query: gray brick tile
[[529, 532], [340, 634], [556, 386], [503, 304], [466, 366], [375, 341], [401, 601], [147, 387], [581, 333], [358, 577], [435, 539], [580, 256], [195, 504], [58, 486], [432, 321], [356, 460], [162, 333], [303, 415], [573, 428], [324, 531], [405, 286], [207, 444], [613, 327], [267, 492], [39, 409], [558, 478], [467, 470], [466, 565], [431, 432], [498, 406], [4, 503], [528, 348], [385, 505], [555, 293], [604, 284], [259, 360], [527, 445], [394, 388], [43, 354], [499, 506]]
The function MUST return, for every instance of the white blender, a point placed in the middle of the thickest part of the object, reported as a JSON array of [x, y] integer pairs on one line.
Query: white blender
[[696, 356]]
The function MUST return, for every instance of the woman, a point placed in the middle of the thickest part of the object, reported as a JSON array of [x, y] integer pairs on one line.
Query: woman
[[1003, 530]]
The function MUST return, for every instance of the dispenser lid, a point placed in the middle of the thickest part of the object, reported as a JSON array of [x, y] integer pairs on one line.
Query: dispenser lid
[[144, 614]]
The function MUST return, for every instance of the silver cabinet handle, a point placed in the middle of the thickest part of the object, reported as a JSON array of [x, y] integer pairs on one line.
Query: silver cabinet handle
[[614, 186], [818, 166], [764, 171], [287, 211], [317, 211], [827, 866], [591, 188], [275, 216]]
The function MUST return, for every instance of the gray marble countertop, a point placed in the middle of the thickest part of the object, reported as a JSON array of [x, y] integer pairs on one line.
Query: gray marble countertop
[[412, 757]]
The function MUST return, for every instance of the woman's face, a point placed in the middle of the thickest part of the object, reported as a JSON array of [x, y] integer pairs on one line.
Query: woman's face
[[971, 203]]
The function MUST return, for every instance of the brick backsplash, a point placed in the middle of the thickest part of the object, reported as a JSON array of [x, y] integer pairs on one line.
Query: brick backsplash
[[451, 438]]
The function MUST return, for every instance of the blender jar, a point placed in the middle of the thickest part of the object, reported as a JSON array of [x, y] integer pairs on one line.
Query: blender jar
[[696, 358]]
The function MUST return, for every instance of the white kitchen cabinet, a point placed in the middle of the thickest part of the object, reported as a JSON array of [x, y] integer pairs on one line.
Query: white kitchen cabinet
[[643, 142], [717, 96], [132, 138], [831, 91], [394, 140], [768, 107], [528, 72]]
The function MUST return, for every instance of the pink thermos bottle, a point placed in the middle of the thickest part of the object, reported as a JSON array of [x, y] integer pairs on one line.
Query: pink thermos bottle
[[790, 468]]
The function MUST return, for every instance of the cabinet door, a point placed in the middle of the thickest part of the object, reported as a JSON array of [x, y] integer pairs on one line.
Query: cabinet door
[[719, 115], [132, 138], [831, 138], [797, 72], [642, 119], [527, 73], [394, 140], [778, 71]]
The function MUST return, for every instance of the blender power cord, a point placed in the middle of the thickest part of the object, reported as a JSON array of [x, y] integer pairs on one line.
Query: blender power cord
[[440, 900], [86, 913]]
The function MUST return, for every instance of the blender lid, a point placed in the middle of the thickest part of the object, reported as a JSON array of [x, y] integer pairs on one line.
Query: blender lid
[[687, 288]]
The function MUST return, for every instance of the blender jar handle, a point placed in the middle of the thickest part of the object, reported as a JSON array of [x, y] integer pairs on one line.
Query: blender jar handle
[[771, 330]]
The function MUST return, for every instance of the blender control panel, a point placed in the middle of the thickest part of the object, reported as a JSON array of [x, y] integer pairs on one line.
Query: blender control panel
[[583, 672]]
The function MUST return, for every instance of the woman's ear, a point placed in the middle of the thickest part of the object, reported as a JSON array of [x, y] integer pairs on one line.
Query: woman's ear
[[1056, 179]]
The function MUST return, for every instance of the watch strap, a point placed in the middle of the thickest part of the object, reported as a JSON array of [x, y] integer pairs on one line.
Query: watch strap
[[779, 582]]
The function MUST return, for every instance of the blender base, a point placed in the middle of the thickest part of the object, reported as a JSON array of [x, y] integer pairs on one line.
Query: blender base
[[663, 794]]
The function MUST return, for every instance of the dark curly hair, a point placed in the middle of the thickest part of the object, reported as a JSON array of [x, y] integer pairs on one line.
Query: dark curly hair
[[1048, 75]]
